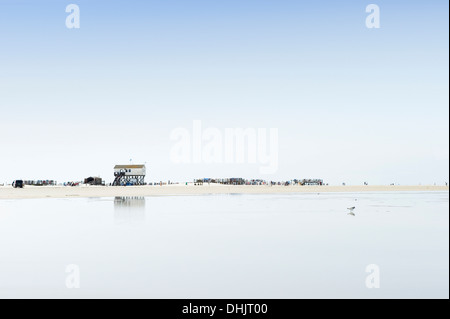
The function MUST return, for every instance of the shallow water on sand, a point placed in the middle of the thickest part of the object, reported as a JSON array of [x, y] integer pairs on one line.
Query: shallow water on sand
[[227, 246]]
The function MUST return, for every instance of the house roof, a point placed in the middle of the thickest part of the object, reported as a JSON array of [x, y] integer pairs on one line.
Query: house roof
[[128, 166]]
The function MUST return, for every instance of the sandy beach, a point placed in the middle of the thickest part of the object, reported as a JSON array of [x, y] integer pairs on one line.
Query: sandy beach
[[7, 192]]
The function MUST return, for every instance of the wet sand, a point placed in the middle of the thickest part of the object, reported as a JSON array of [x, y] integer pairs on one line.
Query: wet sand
[[29, 192]]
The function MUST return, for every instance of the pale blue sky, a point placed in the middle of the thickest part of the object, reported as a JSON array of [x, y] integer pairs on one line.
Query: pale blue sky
[[351, 104]]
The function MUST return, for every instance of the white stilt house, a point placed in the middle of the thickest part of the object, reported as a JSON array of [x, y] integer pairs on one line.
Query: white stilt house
[[127, 175]]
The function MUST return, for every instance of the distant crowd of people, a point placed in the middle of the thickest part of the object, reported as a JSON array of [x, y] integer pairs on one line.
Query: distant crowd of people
[[242, 181]]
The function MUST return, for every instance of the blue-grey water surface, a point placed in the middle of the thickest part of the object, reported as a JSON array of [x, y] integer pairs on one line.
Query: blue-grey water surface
[[227, 246]]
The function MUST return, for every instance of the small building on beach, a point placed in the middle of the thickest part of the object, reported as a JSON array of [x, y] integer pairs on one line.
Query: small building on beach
[[95, 181]]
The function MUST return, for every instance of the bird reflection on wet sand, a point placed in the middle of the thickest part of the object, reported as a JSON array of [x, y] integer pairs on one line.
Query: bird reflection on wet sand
[[351, 209]]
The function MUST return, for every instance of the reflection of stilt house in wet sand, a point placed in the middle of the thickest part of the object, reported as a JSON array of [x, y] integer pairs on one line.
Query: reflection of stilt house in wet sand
[[127, 175], [129, 209]]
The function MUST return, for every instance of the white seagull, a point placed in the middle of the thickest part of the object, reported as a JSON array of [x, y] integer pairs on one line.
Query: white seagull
[[351, 209]]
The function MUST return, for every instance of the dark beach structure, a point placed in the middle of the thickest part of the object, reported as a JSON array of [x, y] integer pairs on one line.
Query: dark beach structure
[[94, 181], [129, 175]]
